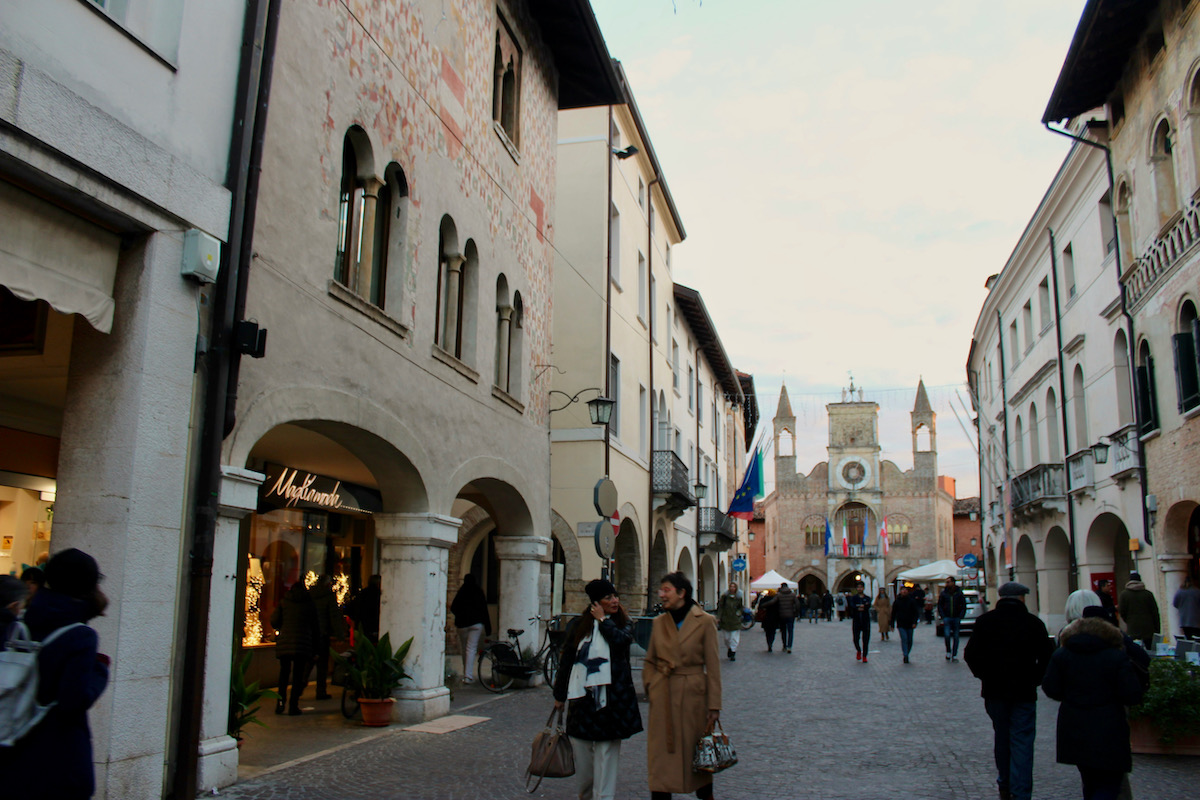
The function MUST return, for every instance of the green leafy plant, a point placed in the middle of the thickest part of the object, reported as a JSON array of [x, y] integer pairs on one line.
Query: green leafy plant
[[374, 670], [244, 699], [1172, 703]]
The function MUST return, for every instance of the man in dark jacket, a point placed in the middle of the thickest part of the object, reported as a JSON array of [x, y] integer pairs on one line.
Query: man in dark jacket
[[788, 603], [1008, 651], [858, 606], [827, 605], [952, 607], [1139, 610], [905, 616]]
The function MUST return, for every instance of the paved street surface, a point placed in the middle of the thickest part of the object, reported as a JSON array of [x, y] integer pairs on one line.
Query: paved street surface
[[813, 724]]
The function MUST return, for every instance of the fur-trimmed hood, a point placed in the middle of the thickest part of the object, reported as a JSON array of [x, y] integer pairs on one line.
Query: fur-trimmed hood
[[1136, 586], [1089, 635]]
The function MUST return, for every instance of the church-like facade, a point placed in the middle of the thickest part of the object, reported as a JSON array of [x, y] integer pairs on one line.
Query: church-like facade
[[854, 491]]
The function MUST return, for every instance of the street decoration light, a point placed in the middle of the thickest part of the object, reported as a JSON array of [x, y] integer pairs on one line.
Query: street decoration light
[[600, 408]]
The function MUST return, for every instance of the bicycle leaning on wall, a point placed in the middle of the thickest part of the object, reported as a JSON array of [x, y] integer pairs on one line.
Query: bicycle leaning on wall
[[503, 662]]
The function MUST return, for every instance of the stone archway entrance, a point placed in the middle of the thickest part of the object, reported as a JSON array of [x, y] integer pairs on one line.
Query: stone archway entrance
[[659, 566], [1026, 565], [1055, 573], [627, 564], [1107, 550]]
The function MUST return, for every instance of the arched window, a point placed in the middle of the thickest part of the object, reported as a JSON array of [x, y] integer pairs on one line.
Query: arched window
[[391, 236], [1035, 449], [1019, 445], [356, 216], [504, 315], [516, 347], [1053, 448], [1187, 371], [1147, 391], [1123, 379], [458, 275], [1163, 164], [1125, 223], [506, 85], [1079, 406]]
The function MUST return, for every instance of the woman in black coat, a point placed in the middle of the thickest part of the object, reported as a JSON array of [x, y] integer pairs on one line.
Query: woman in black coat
[[597, 721], [54, 760], [295, 620], [1094, 680]]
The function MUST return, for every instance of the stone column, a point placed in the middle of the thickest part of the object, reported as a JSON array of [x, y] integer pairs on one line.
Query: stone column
[[503, 336], [415, 558], [366, 249], [218, 761], [454, 263], [521, 559], [1173, 568]]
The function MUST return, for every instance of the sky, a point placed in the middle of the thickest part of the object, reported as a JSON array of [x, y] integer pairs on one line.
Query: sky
[[849, 174]]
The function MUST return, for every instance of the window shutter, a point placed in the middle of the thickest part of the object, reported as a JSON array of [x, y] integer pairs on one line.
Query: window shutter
[[1145, 407], [1186, 382]]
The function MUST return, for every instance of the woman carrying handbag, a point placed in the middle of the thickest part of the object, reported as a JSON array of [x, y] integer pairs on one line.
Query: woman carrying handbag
[[595, 683]]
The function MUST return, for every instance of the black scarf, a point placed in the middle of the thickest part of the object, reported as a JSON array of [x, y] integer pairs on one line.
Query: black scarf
[[678, 614]]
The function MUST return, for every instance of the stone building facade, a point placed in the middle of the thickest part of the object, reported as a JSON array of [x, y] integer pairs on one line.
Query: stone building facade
[[854, 491]]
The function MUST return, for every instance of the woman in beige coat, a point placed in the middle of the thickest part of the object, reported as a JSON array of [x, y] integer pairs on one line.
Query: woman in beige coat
[[682, 676], [883, 610]]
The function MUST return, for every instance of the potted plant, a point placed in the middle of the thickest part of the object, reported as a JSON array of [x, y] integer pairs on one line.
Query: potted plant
[[244, 700], [1168, 718], [373, 672]]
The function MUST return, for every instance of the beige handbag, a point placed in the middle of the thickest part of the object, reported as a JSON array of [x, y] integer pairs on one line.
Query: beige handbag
[[552, 755]]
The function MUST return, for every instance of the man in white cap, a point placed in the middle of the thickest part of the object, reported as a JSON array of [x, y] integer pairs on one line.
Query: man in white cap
[[1009, 651]]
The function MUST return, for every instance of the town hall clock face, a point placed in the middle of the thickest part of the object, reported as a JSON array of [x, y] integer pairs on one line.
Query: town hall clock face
[[853, 473]]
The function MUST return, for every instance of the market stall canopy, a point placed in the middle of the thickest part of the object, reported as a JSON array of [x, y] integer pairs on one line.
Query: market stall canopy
[[937, 571], [771, 580]]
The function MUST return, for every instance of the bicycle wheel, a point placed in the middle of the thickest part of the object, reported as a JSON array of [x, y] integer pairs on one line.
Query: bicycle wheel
[[550, 665], [491, 662], [350, 706]]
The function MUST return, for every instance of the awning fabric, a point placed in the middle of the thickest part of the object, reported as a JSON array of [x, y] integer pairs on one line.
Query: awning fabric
[[47, 253]]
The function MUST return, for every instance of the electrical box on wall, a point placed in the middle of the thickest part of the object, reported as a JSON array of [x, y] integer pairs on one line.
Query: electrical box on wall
[[201, 256]]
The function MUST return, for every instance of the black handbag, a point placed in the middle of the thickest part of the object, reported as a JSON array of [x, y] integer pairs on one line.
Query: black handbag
[[552, 755]]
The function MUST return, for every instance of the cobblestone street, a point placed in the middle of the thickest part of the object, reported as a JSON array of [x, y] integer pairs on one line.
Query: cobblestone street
[[813, 724]]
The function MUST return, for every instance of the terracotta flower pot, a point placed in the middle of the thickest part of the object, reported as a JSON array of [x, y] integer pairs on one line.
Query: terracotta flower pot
[[376, 713], [1143, 738]]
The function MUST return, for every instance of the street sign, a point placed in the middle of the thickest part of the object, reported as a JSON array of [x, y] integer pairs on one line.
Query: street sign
[[615, 521], [969, 560], [605, 540], [604, 497], [739, 565]]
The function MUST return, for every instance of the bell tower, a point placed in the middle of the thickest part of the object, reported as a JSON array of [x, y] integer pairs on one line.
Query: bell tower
[[785, 438], [924, 435]]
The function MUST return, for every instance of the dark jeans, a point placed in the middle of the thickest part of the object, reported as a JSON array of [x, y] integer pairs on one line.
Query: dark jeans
[[297, 667], [770, 632], [788, 628], [906, 635], [1100, 784], [861, 630], [1015, 725], [950, 628]]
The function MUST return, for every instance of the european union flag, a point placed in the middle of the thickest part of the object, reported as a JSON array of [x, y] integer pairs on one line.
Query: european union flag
[[828, 535], [742, 506]]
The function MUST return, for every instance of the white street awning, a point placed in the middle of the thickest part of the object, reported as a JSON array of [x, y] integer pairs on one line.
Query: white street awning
[[47, 253]]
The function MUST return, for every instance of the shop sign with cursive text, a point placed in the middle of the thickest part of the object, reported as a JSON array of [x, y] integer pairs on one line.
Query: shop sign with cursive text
[[287, 487]]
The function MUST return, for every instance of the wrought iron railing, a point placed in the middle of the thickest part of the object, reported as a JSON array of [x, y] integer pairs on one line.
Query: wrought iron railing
[[1043, 482], [713, 520], [670, 476]]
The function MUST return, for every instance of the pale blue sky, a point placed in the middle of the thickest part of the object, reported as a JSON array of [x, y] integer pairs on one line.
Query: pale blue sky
[[849, 174]]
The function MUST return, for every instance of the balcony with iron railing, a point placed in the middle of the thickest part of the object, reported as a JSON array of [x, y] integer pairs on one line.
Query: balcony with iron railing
[[715, 529], [671, 483], [855, 551], [1039, 490], [1124, 459]]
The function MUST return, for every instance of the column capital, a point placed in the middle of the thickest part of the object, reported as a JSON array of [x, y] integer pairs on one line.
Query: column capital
[[420, 529], [454, 261], [1172, 562], [522, 548], [238, 495], [371, 186]]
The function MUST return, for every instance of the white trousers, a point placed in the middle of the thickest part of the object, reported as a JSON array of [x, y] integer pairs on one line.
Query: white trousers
[[596, 765], [731, 639], [468, 639]]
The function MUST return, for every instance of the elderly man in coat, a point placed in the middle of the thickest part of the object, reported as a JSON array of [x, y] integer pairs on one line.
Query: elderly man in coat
[[682, 677]]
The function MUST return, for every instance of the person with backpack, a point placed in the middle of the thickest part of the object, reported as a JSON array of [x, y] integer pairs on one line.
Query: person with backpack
[[53, 760]]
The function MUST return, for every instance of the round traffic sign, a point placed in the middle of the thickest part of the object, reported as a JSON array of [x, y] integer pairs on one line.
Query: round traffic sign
[[615, 521], [604, 497], [605, 539], [969, 560], [739, 565]]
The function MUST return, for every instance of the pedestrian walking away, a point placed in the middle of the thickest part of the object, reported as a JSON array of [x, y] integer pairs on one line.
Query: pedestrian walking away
[[54, 760], [883, 614], [770, 617], [814, 607], [1187, 602], [952, 607], [729, 619], [595, 683], [295, 622], [858, 607], [331, 624], [1008, 651], [905, 615], [788, 604], [1139, 610], [682, 677], [471, 618], [827, 605], [1092, 677]]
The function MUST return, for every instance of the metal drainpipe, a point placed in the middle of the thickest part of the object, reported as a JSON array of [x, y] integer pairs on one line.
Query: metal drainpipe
[[650, 346], [979, 441], [1007, 474], [260, 29], [1137, 414], [608, 286], [1073, 582]]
